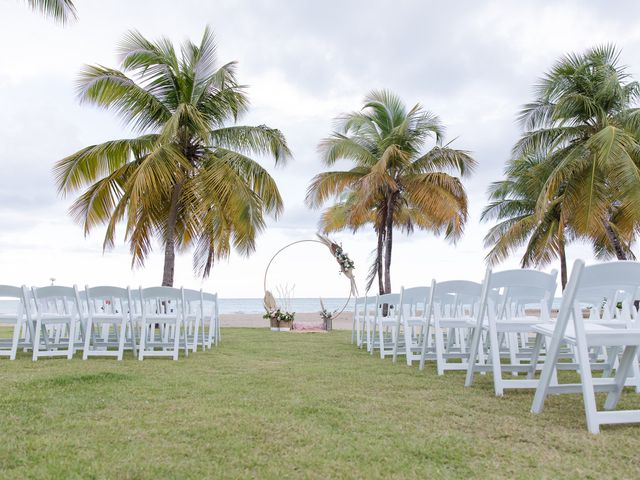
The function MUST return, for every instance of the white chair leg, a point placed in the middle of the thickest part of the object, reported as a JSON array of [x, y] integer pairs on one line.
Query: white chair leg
[[16, 338], [72, 339], [628, 357], [494, 345], [143, 341], [87, 339], [176, 342], [123, 336], [36, 340], [408, 343], [475, 342], [439, 349], [588, 394]]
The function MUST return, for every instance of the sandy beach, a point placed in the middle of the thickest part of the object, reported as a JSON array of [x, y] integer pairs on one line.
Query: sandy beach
[[343, 322]]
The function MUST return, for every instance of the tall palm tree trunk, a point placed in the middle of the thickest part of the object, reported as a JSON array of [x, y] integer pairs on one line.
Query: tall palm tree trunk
[[615, 242], [379, 250], [170, 245], [563, 264], [562, 254], [388, 242]]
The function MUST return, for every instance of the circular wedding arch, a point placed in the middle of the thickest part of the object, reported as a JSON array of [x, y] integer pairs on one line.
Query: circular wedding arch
[[266, 271]]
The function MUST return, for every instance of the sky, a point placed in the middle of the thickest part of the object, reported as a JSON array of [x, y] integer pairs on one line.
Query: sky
[[474, 64]]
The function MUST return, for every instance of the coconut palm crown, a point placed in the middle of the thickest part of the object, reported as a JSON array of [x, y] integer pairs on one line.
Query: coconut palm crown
[[395, 181], [585, 120], [188, 178], [513, 203], [62, 11]]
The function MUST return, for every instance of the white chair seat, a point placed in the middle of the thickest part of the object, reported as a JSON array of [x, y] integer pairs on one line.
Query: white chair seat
[[597, 334], [523, 324], [415, 322], [457, 323], [53, 318]]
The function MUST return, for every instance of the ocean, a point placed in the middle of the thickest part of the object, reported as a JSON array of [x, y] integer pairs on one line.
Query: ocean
[[246, 305], [254, 305]]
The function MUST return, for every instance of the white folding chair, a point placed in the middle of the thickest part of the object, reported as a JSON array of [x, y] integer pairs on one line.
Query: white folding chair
[[571, 328], [211, 318], [359, 312], [368, 319], [454, 306], [21, 334], [193, 303], [384, 323], [161, 306], [411, 323], [108, 308], [507, 314], [58, 322]]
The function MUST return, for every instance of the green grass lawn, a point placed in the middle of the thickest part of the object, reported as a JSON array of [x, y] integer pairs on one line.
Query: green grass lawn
[[276, 405]]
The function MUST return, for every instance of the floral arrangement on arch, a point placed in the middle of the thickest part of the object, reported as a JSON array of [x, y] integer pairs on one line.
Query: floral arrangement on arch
[[346, 264]]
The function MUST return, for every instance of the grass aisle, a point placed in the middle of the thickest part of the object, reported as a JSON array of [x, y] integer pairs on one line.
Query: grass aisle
[[274, 405]]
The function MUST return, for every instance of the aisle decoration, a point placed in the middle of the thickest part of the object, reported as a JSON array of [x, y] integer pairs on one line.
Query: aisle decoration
[[327, 316], [278, 312]]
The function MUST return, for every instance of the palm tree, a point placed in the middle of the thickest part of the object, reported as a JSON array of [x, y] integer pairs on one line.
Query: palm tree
[[394, 182], [187, 179], [513, 203], [585, 121], [62, 11]]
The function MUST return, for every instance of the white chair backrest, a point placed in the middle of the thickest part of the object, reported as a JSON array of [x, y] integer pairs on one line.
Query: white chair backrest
[[359, 303], [387, 304], [360, 307], [14, 299], [107, 300], [601, 302], [511, 291], [192, 295], [160, 300], [456, 297], [210, 303], [414, 301], [619, 279], [193, 301], [8, 291], [57, 299]]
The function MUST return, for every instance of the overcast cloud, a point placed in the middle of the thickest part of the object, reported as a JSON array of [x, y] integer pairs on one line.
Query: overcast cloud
[[472, 63]]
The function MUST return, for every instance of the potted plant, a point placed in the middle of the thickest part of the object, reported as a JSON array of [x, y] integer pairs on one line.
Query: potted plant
[[274, 319], [286, 321]]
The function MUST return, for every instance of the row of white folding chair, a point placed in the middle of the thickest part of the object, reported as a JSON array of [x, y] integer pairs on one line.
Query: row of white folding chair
[[21, 333], [364, 314], [201, 319], [502, 315], [54, 317], [384, 324], [571, 328], [400, 323], [411, 323], [452, 311], [359, 320]]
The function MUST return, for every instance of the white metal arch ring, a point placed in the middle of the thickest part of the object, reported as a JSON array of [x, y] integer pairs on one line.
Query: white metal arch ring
[[266, 271]]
